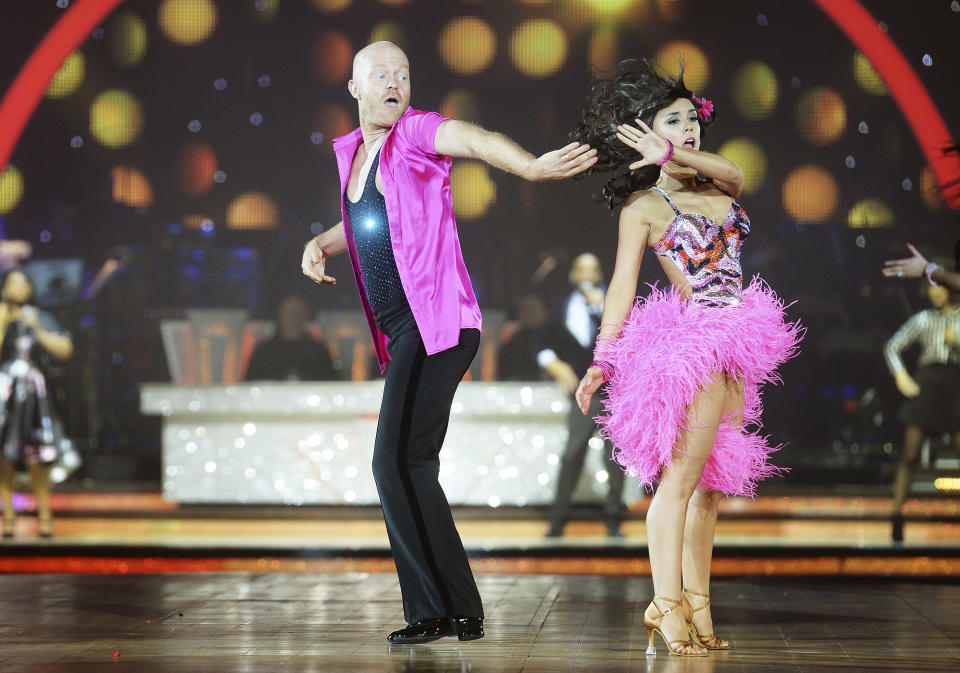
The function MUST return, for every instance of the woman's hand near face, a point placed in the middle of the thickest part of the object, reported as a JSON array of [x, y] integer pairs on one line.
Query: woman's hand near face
[[653, 148]]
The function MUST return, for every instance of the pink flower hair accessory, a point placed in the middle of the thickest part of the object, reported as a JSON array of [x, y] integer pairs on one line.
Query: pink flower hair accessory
[[704, 107]]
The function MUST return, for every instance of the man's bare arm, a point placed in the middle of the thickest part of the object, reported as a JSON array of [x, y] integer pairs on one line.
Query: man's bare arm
[[469, 141], [915, 266], [331, 242]]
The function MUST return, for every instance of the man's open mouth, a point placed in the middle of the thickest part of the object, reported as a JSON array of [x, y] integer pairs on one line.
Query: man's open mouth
[[392, 102]]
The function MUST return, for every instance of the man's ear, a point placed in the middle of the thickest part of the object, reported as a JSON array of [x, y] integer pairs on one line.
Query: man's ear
[[352, 88]]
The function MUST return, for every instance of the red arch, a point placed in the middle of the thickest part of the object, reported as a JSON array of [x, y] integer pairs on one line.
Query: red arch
[[906, 88], [27, 89]]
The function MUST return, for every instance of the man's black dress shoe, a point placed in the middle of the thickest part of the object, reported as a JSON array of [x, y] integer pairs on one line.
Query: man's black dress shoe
[[428, 630], [468, 628], [424, 631]]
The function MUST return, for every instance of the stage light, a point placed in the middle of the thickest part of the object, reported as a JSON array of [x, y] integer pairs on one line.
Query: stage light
[[947, 483], [538, 47], [467, 45], [11, 188], [116, 118], [671, 10], [473, 189], [821, 116], [389, 31], [127, 39], [749, 156], [866, 75], [331, 6], [253, 210], [810, 194], [196, 168], [68, 77], [755, 90], [131, 187], [929, 190], [332, 56], [188, 22], [602, 49], [870, 214], [696, 67], [461, 104], [332, 121], [263, 11]]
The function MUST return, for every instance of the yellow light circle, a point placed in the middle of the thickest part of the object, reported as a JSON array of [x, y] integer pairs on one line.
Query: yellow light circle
[[810, 194], [127, 39], [131, 187], [11, 188], [331, 6], [870, 214], [751, 159], [467, 45], [538, 47], [609, 8], [389, 31], [68, 76], [602, 49], [116, 118], [473, 189], [461, 104], [821, 115], [188, 22], [866, 75], [696, 67], [755, 90], [253, 210], [930, 190]]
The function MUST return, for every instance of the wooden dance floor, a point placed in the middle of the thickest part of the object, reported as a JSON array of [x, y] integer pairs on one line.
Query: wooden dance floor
[[206, 623]]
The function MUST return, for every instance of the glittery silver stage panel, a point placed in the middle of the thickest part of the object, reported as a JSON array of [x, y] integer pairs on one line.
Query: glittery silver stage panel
[[312, 444]]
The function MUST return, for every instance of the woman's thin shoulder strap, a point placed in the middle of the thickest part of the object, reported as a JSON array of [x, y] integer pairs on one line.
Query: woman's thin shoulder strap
[[669, 200]]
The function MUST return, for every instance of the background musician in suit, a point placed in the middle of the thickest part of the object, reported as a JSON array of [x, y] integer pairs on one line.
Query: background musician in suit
[[566, 353]]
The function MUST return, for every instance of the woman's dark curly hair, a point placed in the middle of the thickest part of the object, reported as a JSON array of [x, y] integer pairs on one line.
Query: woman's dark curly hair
[[636, 89]]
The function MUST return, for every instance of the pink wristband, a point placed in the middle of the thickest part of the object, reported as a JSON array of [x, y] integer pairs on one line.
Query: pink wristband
[[605, 367], [668, 155]]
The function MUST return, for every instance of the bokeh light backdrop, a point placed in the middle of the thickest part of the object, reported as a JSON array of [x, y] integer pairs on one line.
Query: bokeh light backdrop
[[198, 133]]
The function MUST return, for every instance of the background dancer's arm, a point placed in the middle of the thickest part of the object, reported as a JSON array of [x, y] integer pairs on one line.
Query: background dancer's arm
[[313, 264], [622, 291], [469, 141], [725, 174], [905, 336], [915, 266]]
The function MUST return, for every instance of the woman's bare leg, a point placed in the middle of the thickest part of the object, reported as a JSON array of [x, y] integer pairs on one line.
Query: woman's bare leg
[[668, 509], [702, 521], [40, 482], [6, 490]]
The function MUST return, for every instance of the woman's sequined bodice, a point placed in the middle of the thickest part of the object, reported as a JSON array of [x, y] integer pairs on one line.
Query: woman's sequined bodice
[[707, 253]]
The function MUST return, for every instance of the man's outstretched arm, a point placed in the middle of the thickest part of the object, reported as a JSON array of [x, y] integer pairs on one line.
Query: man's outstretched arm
[[469, 141], [331, 242]]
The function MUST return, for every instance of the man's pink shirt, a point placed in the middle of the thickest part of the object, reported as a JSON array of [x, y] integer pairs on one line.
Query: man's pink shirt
[[416, 189]]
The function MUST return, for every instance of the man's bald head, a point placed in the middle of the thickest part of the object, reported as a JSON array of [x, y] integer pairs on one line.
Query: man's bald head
[[382, 51], [381, 84]]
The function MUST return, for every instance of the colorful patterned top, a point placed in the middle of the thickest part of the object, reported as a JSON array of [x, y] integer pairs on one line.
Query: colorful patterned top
[[707, 253]]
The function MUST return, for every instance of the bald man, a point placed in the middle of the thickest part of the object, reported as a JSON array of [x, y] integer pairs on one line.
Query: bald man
[[566, 352], [399, 232]]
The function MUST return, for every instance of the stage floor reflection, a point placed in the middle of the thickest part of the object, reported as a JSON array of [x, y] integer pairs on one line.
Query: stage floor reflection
[[338, 622]]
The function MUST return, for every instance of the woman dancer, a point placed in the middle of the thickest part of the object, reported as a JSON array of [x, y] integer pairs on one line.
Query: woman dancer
[[933, 398], [29, 428], [684, 366]]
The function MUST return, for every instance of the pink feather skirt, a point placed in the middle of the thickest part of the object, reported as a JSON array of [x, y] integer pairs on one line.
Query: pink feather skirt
[[668, 350]]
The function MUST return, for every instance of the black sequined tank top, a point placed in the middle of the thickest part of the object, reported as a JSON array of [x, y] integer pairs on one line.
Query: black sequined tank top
[[371, 236]]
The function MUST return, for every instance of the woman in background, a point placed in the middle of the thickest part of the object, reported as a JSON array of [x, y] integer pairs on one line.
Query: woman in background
[[933, 396], [29, 428]]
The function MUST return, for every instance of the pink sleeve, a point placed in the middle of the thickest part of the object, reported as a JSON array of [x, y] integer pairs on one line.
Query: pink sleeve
[[419, 130]]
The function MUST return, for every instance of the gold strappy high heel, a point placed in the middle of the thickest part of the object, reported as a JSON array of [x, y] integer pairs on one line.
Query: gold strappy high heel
[[708, 640], [683, 648]]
